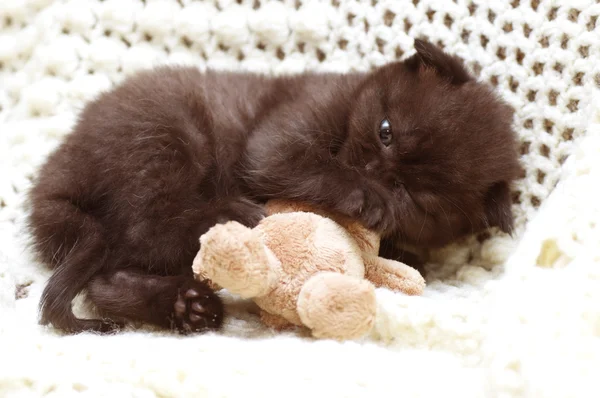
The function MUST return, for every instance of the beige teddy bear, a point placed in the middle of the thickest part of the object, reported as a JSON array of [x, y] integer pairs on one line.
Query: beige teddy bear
[[303, 266]]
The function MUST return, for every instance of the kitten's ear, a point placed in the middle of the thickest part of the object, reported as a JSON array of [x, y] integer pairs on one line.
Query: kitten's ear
[[446, 65], [498, 207]]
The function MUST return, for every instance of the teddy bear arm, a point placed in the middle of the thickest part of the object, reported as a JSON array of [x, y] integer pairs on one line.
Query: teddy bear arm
[[393, 275]]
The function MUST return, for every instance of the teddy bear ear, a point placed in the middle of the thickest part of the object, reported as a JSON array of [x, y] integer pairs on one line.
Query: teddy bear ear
[[447, 66]]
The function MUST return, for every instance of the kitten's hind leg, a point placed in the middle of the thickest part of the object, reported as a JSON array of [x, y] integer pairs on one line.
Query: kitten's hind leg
[[176, 302]]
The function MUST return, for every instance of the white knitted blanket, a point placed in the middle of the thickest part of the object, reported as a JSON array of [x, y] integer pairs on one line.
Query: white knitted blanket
[[499, 317]]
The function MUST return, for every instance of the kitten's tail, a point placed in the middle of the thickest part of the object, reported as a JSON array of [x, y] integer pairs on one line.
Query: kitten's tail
[[76, 249]]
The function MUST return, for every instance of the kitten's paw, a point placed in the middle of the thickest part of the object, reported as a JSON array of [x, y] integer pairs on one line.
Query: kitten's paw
[[197, 308], [242, 210], [370, 207]]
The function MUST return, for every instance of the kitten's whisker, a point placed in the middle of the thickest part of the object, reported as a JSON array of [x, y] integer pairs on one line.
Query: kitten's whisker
[[447, 220], [461, 209], [424, 221]]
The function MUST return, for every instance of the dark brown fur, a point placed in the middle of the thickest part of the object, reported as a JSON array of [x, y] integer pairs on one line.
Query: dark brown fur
[[151, 165]]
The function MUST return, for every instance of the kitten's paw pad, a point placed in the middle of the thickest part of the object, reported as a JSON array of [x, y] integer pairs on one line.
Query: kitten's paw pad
[[197, 309]]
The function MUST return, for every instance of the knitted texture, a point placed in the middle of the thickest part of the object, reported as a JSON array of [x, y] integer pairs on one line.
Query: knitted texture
[[500, 316]]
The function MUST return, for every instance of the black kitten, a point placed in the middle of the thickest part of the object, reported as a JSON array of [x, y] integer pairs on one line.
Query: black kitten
[[417, 149]]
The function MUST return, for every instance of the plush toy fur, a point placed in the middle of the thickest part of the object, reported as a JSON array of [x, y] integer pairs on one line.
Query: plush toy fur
[[304, 266]]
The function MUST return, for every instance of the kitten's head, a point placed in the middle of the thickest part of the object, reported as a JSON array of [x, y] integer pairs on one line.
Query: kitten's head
[[440, 142]]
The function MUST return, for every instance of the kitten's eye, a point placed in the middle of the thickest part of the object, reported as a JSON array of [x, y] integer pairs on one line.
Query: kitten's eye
[[385, 132]]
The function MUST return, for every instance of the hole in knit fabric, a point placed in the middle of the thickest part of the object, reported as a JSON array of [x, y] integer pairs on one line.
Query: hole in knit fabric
[[380, 44], [448, 21], [573, 105], [578, 78], [513, 84], [399, 52], [388, 18], [342, 44], [464, 35], [574, 14], [545, 150], [501, 53], [548, 125], [528, 124], [538, 68], [525, 146], [508, 27], [562, 159], [567, 134], [516, 197], [186, 41], [545, 41], [558, 67], [591, 25], [320, 55], [552, 13], [564, 42], [526, 30], [541, 176], [22, 290], [491, 16], [535, 4], [584, 51], [494, 80], [280, 54], [552, 96], [515, 3], [407, 25], [535, 201], [520, 56], [484, 41], [430, 13], [472, 8]]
